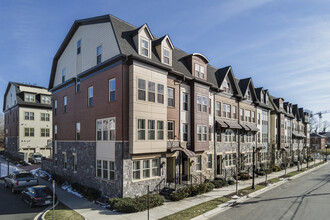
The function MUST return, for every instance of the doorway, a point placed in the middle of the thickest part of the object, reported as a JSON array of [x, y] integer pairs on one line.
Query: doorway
[[219, 164], [170, 169]]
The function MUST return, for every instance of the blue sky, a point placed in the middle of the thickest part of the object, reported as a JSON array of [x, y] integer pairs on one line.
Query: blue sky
[[283, 45]]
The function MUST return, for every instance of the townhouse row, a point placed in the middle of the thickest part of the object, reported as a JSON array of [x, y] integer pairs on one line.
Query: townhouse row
[[131, 110]]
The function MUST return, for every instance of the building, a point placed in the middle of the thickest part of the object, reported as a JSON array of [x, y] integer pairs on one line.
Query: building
[[28, 120], [317, 142], [131, 110]]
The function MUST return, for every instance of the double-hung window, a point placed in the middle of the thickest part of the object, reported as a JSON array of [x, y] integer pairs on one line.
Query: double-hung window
[[78, 131], [170, 96], [185, 132], [144, 47], [106, 129], [63, 75], [55, 107], [166, 57], [199, 103], [78, 85], [98, 54], [199, 133], [151, 92], [44, 117], [199, 162], [99, 168], [105, 169], [29, 132], [253, 117], [248, 115], [141, 129], [209, 161], [29, 116], [202, 72], [78, 47], [55, 132], [160, 130], [44, 132], [226, 110], [141, 89], [185, 101], [112, 90], [155, 167], [204, 133], [217, 109], [146, 168], [234, 112], [65, 104], [151, 129], [90, 96], [111, 170], [160, 93], [170, 130], [241, 113], [197, 70], [204, 104], [136, 170]]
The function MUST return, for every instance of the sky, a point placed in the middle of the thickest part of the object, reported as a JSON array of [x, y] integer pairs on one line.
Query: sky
[[283, 45]]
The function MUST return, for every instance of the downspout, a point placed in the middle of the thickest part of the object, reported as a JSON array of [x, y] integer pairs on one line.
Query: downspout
[[214, 139], [123, 124], [180, 154], [239, 136]]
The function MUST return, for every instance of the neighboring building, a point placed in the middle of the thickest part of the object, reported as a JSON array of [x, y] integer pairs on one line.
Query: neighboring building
[[317, 142], [28, 120], [132, 110]]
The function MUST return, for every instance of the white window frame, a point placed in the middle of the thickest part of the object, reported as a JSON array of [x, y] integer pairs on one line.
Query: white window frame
[[209, 164], [112, 89], [198, 162], [90, 100], [141, 89], [99, 54], [141, 129], [106, 125], [143, 48], [166, 57]]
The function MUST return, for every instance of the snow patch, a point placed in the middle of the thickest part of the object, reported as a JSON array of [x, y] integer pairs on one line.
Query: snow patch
[[40, 173], [4, 169], [70, 190]]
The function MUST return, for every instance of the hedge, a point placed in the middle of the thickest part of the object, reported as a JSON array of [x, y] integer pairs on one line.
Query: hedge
[[190, 191], [136, 204]]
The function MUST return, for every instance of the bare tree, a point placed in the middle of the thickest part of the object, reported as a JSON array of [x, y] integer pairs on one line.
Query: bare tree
[[314, 124], [325, 126]]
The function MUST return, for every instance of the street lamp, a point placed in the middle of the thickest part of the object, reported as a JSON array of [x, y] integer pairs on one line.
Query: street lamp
[[254, 163]]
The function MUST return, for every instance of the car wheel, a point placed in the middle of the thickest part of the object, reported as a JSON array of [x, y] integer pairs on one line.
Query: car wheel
[[31, 204], [13, 190]]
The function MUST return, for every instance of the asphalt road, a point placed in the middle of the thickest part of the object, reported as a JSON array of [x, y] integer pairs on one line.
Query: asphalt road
[[305, 198]]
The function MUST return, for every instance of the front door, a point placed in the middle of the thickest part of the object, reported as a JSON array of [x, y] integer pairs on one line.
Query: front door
[[170, 168], [185, 169], [219, 164]]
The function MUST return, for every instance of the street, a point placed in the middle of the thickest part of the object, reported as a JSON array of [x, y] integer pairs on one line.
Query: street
[[307, 197]]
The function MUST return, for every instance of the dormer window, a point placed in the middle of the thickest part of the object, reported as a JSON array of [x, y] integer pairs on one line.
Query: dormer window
[[78, 47], [99, 54], [267, 99], [248, 96], [166, 56], [196, 70], [63, 75], [262, 97], [45, 99], [29, 97], [202, 70], [145, 47]]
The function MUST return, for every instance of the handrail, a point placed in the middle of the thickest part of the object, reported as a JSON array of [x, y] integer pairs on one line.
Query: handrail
[[158, 185]]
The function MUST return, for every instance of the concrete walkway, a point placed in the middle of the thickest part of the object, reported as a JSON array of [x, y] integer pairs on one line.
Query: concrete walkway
[[92, 211]]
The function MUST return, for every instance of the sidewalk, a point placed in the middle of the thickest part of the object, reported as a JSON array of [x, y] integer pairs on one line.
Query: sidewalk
[[92, 211]]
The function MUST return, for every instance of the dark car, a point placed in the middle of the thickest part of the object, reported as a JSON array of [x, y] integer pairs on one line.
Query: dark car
[[38, 195]]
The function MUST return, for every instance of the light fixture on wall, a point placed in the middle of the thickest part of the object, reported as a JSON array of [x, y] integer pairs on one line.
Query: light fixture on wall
[[162, 164], [192, 163]]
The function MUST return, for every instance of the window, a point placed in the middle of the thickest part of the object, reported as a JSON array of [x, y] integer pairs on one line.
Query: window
[[259, 118], [219, 135], [55, 132], [202, 72], [78, 86], [44, 132], [170, 130], [253, 117], [112, 170], [90, 96], [155, 167], [199, 133], [141, 129], [230, 135], [204, 104], [170, 97], [261, 97], [146, 168], [141, 89], [185, 132], [241, 114], [160, 130], [151, 92], [248, 96], [105, 169], [199, 103], [29, 116], [144, 47], [234, 112], [78, 131], [166, 57], [65, 103], [160, 94], [230, 160], [99, 168], [218, 109], [45, 99], [267, 101], [106, 129], [74, 162], [78, 47], [248, 158], [226, 110], [204, 133], [136, 170], [29, 132], [185, 101], [196, 70], [151, 129], [55, 107], [45, 117], [210, 133], [28, 97], [112, 90], [63, 75], [210, 106], [248, 115], [209, 161], [249, 136], [98, 54], [65, 160], [199, 162]]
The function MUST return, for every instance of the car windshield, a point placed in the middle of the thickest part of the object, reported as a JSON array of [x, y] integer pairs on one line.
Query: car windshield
[[37, 156], [43, 191], [22, 175]]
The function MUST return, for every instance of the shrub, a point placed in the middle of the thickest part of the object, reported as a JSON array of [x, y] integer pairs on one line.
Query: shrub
[[244, 176], [209, 187], [231, 182], [179, 195], [219, 183], [276, 169], [137, 204], [88, 192]]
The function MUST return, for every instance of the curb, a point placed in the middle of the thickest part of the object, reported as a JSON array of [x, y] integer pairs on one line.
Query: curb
[[42, 214], [227, 205]]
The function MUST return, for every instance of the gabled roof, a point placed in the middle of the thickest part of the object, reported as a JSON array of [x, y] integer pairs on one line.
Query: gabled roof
[[271, 100], [138, 30], [160, 40], [296, 112], [20, 95], [244, 85], [263, 104], [221, 74]]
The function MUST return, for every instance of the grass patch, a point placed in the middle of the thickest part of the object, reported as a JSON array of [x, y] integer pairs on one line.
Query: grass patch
[[63, 212], [274, 180], [197, 209]]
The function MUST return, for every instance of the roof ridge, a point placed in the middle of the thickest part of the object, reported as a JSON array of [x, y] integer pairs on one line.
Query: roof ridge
[[124, 21]]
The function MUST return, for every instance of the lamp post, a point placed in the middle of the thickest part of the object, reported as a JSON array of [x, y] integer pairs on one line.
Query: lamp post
[[326, 152], [254, 164]]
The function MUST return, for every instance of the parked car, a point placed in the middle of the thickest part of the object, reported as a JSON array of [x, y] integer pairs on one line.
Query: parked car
[[35, 158], [20, 180], [37, 195]]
